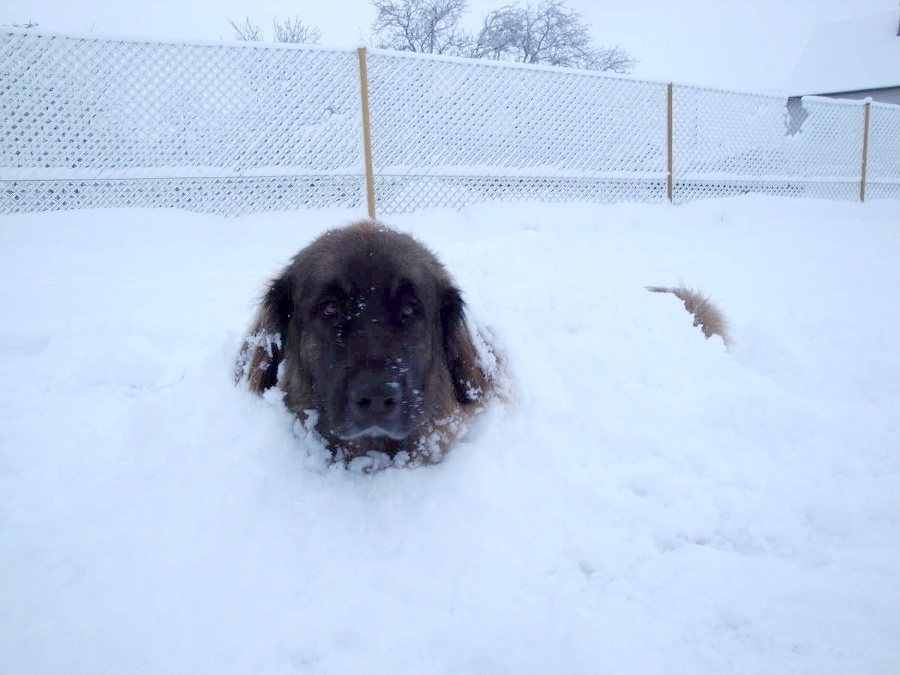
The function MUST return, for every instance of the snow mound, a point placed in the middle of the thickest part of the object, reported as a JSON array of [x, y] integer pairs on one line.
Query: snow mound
[[649, 502]]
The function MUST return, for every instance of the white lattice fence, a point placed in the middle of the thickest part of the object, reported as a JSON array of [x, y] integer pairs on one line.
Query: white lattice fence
[[729, 143], [240, 128], [454, 131], [228, 129], [883, 174]]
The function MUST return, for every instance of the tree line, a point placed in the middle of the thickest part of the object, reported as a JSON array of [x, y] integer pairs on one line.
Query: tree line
[[548, 32]]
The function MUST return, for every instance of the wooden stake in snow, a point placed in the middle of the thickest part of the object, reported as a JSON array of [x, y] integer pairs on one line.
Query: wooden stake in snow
[[865, 154], [669, 134], [367, 132]]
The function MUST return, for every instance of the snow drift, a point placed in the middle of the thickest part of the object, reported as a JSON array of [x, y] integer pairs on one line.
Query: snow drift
[[650, 502]]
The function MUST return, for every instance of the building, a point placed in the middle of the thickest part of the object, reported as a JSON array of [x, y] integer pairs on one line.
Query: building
[[857, 58]]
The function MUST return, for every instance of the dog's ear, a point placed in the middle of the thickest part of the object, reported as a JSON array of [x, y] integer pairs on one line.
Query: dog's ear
[[264, 346], [469, 382]]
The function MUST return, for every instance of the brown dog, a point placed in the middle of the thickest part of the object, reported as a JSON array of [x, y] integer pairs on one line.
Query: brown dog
[[706, 314], [365, 333]]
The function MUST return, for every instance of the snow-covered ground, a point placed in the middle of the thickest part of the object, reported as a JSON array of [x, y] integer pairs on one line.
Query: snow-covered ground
[[648, 503]]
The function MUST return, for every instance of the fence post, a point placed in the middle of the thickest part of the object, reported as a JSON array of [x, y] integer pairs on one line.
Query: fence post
[[367, 131], [669, 133], [865, 154]]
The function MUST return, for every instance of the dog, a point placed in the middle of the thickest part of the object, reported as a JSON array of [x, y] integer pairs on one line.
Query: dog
[[706, 315], [365, 333]]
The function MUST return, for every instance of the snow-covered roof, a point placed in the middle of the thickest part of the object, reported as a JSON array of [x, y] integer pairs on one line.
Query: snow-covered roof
[[849, 55]]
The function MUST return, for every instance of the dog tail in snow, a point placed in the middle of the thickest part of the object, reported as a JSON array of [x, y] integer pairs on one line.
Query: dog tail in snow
[[706, 314]]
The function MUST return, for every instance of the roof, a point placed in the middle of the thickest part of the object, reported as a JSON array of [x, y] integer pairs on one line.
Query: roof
[[850, 55]]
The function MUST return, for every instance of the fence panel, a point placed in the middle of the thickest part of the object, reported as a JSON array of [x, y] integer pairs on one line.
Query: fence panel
[[96, 123], [883, 175], [453, 132], [236, 128], [730, 143]]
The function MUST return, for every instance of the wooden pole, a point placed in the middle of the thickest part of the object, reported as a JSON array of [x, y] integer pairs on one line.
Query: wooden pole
[[367, 132], [865, 154], [669, 134]]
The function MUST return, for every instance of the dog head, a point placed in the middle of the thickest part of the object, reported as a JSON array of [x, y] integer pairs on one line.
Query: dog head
[[366, 328]]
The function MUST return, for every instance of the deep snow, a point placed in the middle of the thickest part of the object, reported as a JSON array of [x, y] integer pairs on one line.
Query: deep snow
[[648, 503]]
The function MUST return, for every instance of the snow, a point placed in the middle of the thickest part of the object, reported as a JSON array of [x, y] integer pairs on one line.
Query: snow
[[648, 502], [849, 55]]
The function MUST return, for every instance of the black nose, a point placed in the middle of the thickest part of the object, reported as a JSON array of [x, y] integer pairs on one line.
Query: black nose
[[373, 400]]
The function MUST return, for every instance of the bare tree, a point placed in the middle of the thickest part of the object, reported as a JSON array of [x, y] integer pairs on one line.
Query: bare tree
[[287, 30], [613, 59], [428, 26], [549, 33], [501, 34], [294, 30], [247, 31]]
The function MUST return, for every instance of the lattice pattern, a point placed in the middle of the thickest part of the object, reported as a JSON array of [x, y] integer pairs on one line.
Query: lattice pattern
[[690, 190], [728, 143], [828, 146], [883, 169], [726, 135], [87, 109], [883, 191], [224, 196], [481, 116], [400, 194], [512, 132], [238, 128]]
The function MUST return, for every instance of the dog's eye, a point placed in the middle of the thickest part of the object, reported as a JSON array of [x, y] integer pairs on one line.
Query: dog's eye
[[408, 310], [330, 309], [407, 307]]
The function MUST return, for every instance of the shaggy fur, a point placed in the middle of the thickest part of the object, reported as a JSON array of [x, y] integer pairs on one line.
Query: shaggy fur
[[706, 314], [365, 333]]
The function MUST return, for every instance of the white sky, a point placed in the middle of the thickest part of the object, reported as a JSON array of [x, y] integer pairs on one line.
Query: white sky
[[742, 44]]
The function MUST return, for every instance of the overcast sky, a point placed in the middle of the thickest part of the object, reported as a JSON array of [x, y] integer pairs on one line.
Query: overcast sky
[[748, 44]]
